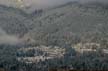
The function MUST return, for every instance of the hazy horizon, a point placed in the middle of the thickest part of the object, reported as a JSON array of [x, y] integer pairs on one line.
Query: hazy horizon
[[36, 3], [46, 3]]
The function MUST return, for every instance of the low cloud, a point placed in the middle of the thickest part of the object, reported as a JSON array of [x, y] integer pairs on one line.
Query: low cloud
[[8, 39]]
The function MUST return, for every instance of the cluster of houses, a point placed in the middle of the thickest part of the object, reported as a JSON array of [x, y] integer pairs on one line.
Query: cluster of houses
[[47, 53], [88, 47]]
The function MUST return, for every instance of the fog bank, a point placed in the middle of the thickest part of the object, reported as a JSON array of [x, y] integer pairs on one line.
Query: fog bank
[[8, 39]]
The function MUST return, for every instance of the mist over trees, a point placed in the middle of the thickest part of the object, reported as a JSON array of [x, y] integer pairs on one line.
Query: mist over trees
[[72, 26]]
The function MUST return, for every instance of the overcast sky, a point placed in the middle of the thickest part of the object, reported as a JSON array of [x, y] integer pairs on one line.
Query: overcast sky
[[36, 2], [46, 3]]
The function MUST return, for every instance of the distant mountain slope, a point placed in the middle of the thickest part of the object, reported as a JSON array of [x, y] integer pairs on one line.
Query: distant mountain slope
[[68, 21], [14, 21]]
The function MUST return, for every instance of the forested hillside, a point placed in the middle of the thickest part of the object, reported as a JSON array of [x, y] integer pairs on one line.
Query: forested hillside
[[70, 23], [14, 21], [70, 36]]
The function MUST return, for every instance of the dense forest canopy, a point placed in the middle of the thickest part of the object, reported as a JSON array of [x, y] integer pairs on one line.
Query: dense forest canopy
[[72, 35]]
